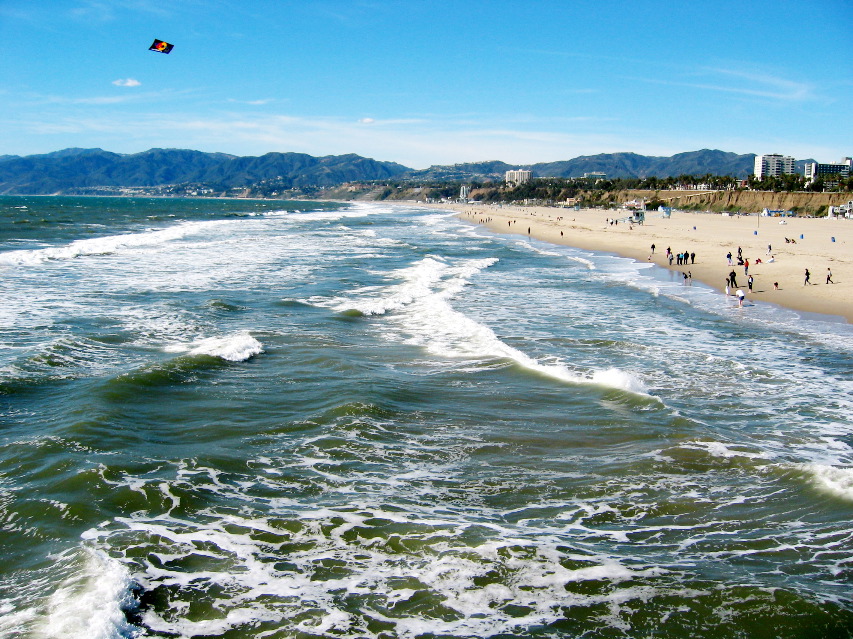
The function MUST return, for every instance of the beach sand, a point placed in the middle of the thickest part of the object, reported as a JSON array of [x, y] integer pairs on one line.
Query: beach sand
[[710, 236]]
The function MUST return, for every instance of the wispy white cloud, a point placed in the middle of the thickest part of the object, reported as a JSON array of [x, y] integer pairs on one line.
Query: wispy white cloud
[[260, 102], [766, 85], [94, 100], [127, 82], [737, 82]]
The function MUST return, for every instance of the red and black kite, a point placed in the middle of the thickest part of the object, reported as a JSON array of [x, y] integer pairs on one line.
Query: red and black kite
[[162, 47]]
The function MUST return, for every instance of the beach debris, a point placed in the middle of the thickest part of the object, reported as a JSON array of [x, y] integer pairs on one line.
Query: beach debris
[[161, 46]]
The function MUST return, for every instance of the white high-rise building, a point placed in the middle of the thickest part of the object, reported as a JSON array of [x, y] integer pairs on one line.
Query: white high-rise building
[[815, 170], [773, 165], [519, 176]]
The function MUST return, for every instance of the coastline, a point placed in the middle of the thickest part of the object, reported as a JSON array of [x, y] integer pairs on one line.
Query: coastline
[[818, 244]]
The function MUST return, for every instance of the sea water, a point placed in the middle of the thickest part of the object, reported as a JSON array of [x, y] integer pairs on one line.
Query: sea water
[[228, 418]]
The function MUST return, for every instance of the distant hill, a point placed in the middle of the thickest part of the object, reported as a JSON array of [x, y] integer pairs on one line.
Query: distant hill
[[620, 165], [462, 172], [71, 169], [614, 165]]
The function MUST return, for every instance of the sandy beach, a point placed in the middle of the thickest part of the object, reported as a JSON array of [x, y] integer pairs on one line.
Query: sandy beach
[[817, 244]]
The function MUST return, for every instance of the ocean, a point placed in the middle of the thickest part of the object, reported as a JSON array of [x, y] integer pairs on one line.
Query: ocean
[[236, 418]]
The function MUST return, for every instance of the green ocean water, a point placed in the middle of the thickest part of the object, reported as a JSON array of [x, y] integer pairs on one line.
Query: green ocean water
[[296, 419]]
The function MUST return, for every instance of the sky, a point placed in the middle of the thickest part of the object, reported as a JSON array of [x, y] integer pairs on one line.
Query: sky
[[425, 82]]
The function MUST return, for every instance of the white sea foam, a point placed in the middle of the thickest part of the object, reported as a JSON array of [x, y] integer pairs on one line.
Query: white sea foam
[[89, 604], [103, 245], [420, 306], [234, 348], [300, 597], [725, 451], [830, 479], [432, 278]]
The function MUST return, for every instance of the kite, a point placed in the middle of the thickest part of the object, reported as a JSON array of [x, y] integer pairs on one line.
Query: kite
[[162, 47]]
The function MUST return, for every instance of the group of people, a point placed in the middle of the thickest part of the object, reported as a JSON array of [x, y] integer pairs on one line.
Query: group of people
[[683, 259], [731, 280]]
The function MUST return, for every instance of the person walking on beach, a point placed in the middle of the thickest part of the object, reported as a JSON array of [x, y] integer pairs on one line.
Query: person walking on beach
[[829, 276], [653, 248], [808, 275]]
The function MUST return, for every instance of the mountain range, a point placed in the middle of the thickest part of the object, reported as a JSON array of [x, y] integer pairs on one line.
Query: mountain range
[[71, 169], [74, 169]]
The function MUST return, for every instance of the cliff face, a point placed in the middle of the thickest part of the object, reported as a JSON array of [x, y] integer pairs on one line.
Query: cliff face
[[718, 201], [745, 201]]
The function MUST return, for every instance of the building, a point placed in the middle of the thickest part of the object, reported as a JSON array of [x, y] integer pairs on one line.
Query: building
[[464, 192], [815, 170], [519, 176], [845, 210], [595, 175], [773, 165]]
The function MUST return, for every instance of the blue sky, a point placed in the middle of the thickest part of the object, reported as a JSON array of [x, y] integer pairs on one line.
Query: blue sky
[[429, 82]]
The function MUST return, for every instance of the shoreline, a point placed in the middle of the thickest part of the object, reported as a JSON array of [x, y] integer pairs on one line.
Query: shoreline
[[817, 244]]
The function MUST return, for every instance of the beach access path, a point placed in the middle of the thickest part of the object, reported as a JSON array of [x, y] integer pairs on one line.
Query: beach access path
[[816, 244]]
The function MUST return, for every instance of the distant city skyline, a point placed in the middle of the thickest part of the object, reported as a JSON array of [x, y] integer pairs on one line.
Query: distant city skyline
[[428, 83]]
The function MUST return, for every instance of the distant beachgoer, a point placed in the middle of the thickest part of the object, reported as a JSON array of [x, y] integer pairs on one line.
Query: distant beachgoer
[[772, 258], [808, 275], [775, 286], [728, 292], [733, 279], [670, 259], [653, 248], [769, 248], [739, 251], [693, 258], [746, 267], [740, 296], [829, 276], [749, 283], [729, 257]]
